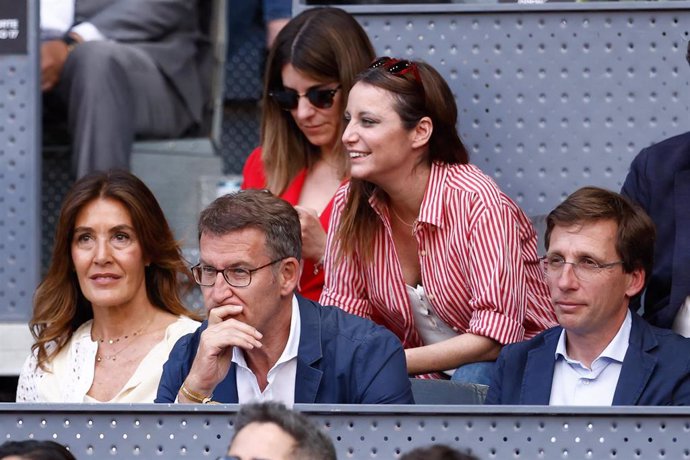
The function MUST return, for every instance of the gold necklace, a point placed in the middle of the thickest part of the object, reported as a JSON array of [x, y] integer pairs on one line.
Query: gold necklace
[[122, 337], [401, 219], [100, 357]]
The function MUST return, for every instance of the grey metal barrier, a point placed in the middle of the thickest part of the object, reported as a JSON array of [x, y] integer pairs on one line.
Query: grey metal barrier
[[552, 96], [361, 432], [20, 175]]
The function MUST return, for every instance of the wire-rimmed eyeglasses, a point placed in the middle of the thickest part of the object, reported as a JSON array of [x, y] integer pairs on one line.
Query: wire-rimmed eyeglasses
[[206, 275], [584, 269]]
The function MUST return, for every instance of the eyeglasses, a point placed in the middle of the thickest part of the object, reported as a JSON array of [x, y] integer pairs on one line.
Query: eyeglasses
[[288, 99], [584, 269], [398, 67], [205, 275]]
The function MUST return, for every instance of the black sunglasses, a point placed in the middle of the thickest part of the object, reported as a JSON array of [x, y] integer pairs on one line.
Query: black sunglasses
[[288, 99]]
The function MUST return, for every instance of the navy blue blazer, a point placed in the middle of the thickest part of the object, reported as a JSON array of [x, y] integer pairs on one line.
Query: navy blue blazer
[[659, 181], [341, 359], [655, 372]]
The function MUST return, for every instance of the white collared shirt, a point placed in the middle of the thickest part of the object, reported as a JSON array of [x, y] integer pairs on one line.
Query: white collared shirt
[[57, 18], [574, 384], [281, 377]]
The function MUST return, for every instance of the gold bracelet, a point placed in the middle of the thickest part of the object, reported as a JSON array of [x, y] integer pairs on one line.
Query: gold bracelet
[[194, 396]]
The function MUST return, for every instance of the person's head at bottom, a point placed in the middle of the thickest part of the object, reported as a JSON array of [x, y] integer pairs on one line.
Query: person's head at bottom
[[34, 450], [436, 452], [270, 431]]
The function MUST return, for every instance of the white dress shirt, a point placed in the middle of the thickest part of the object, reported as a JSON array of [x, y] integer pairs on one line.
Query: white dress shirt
[[57, 18], [281, 377], [574, 384]]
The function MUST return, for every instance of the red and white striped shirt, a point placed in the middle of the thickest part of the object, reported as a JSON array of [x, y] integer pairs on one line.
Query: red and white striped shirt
[[479, 265]]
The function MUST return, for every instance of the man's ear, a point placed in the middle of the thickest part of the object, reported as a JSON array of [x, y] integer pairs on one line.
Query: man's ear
[[636, 283], [290, 272], [422, 132]]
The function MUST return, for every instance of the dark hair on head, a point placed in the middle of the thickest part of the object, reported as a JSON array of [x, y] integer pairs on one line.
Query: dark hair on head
[[429, 96], [328, 45], [310, 442], [35, 450], [59, 305], [258, 209], [436, 452], [636, 232]]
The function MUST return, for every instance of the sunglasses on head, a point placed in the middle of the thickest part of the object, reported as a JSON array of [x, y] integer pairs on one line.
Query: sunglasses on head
[[288, 99], [397, 67]]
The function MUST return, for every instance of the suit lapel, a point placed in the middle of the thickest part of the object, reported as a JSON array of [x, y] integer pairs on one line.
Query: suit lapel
[[226, 391], [536, 383], [308, 378], [638, 364]]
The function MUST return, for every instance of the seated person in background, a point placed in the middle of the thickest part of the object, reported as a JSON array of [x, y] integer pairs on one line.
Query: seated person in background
[[120, 68], [270, 430], [108, 312], [599, 252], [308, 77], [34, 450], [659, 181], [436, 452], [276, 16], [261, 341], [423, 242]]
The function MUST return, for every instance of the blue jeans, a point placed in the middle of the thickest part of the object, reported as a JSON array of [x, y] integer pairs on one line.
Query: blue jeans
[[480, 372]]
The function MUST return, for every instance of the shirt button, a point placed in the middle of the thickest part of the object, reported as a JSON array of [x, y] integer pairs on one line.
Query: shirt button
[[422, 253], [585, 381], [431, 296], [455, 329]]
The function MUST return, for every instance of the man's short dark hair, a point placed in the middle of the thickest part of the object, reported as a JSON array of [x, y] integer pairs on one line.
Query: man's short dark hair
[[310, 442], [436, 452], [636, 232], [35, 450], [258, 209]]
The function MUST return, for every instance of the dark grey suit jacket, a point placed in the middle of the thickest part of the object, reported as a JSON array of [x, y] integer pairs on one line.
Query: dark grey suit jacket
[[167, 30]]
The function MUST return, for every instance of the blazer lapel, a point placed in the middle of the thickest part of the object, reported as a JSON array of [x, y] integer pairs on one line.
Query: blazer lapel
[[226, 391], [536, 383], [308, 378], [638, 364]]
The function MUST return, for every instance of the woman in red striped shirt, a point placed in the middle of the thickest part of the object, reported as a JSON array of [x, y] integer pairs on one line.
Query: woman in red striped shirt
[[423, 242]]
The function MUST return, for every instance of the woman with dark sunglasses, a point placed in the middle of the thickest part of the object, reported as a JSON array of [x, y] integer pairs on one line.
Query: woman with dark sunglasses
[[424, 242], [309, 72]]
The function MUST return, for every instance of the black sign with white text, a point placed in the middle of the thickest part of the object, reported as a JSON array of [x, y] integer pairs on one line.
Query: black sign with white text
[[13, 26]]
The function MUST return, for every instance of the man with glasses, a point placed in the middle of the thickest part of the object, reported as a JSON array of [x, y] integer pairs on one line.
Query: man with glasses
[[599, 253], [261, 341], [271, 431]]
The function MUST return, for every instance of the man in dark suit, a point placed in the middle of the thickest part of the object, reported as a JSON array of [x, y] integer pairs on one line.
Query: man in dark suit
[[659, 181], [599, 251], [121, 68], [263, 342]]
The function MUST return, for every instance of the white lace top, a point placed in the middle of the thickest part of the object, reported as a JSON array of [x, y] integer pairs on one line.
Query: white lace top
[[72, 370]]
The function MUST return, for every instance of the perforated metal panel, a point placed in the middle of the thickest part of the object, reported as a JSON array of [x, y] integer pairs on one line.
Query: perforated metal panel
[[19, 176], [360, 432], [554, 97]]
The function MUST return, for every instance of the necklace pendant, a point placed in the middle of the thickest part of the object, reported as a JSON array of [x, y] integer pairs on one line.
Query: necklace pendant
[[111, 341]]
